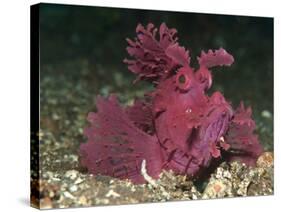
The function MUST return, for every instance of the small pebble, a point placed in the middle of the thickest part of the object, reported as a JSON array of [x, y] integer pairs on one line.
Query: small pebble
[[46, 203], [71, 174], [82, 200], [68, 195], [55, 116], [73, 188], [265, 160], [112, 193], [217, 189], [78, 181], [266, 114]]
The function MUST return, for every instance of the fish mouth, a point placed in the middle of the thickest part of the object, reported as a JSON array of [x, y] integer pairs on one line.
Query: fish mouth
[[217, 129]]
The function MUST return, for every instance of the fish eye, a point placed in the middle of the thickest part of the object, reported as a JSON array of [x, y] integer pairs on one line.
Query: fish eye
[[182, 80]]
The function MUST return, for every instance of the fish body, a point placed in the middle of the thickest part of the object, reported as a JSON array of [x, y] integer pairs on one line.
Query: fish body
[[177, 126]]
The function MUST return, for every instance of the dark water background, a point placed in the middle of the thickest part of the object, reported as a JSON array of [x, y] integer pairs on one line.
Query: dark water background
[[82, 49]]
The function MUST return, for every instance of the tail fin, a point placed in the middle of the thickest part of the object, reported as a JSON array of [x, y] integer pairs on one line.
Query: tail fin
[[116, 147]]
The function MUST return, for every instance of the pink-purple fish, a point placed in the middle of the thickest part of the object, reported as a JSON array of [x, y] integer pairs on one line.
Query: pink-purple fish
[[177, 126]]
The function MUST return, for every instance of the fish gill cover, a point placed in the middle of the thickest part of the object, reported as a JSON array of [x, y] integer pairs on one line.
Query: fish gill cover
[[175, 127]]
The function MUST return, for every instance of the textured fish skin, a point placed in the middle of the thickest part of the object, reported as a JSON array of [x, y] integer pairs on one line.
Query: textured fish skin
[[175, 127]]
